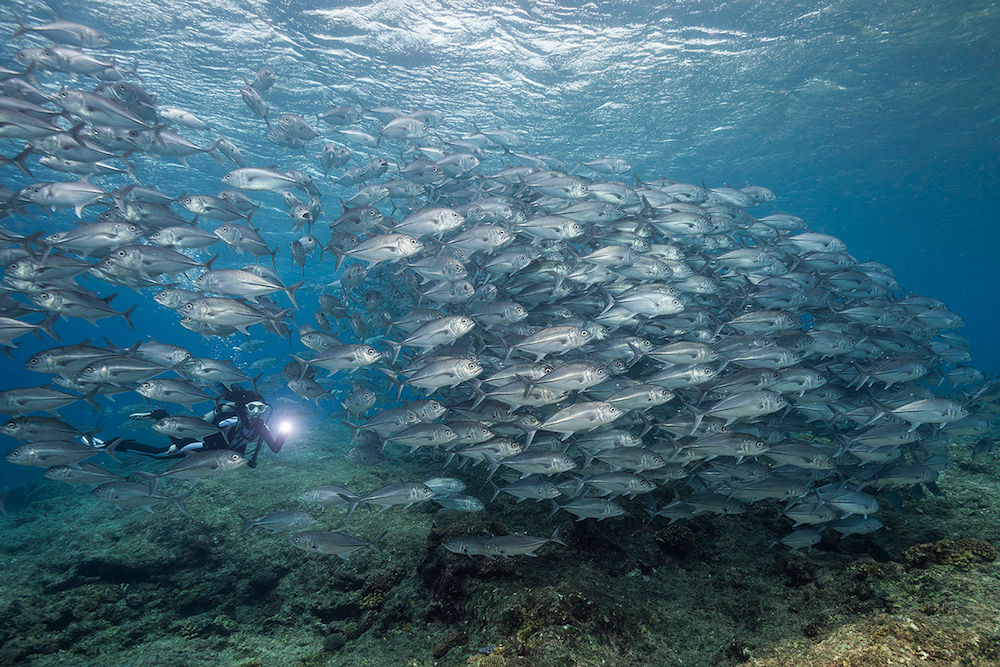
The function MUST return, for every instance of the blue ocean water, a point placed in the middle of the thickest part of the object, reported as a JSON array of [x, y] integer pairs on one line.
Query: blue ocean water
[[874, 122]]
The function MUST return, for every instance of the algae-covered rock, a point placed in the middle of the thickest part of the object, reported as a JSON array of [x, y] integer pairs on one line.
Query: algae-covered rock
[[334, 642], [982, 550], [497, 656], [890, 640], [962, 553], [448, 642]]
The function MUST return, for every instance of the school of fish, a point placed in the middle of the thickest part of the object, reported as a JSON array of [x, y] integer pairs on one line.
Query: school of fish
[[567, 334]]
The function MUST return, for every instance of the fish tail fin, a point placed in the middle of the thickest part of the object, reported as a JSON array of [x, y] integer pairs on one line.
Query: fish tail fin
[[211, 151], [130, 170], [528, 384], [134, 71], [477, 388], [19, 161], [397, 347], [510, 350], [47, 324], [355, 430], [881, 410], [111, 449], [698, 416], [555, 508], [303, 364], [336, 253], [393, 380], [22, 28], [352, 503], [210, 261], [247, 524], [376, 544], [611, 302], [555, 536], [179, 501], [127, 314], [36, 238], [290, 291], [493, 464], [89, 399]]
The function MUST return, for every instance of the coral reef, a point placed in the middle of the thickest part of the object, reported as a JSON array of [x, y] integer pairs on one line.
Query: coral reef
[[84, 583], [962, 553], [893, 640]]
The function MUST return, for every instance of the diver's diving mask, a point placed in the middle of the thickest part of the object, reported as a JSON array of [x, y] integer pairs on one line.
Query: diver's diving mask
[[256, 408]]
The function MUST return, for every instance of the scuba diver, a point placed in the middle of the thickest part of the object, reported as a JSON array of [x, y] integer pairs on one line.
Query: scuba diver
[[241, 416]]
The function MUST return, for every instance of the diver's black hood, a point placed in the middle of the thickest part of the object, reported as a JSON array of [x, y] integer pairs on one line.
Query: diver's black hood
[[240, 396]]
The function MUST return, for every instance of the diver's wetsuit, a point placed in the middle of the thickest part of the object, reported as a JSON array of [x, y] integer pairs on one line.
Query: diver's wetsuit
[[235, 434]]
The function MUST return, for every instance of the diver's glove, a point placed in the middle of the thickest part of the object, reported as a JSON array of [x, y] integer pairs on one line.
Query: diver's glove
[[158, 413], [251, 463]]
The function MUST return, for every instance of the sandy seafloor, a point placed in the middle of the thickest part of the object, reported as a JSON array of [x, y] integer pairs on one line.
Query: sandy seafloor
[[83, 583]]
